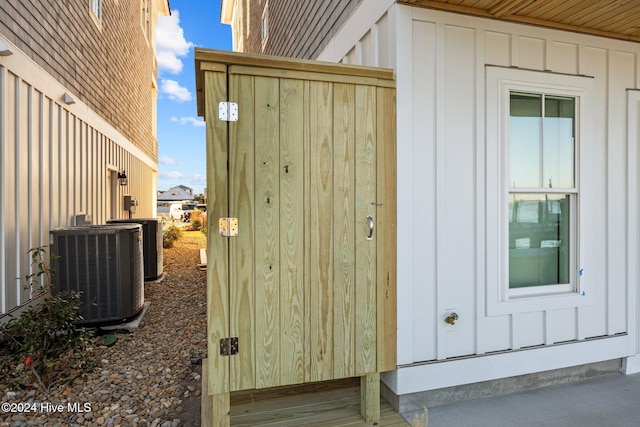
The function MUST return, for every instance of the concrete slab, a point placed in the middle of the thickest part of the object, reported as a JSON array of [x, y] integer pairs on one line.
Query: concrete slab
[[159, 279], [131, 325], [611, 400]]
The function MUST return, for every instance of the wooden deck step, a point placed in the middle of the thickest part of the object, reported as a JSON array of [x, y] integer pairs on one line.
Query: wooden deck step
[[333, 403]]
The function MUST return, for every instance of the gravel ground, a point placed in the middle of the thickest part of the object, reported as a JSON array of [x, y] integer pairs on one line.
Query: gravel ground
[[151, 376]]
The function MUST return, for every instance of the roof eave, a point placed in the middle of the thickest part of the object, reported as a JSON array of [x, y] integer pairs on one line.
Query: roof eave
[[226, 11]]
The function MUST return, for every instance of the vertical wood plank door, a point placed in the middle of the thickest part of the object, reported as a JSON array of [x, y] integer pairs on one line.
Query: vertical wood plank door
[[310, 278]]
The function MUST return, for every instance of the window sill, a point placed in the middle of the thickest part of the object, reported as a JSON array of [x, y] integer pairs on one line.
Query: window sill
[[538, 302], [540, 291]]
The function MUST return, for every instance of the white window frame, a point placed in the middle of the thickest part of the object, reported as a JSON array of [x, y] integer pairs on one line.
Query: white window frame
[[96, 8], [572, 286], [264, 25], [500, 82], [96, 13]]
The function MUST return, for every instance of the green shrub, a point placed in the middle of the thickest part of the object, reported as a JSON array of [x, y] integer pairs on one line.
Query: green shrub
[[198, 220], [196, 223], [44, 339], [170, 235]]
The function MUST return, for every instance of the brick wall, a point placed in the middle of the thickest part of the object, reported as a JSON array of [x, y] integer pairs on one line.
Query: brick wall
[[109, 64], [297, 28]]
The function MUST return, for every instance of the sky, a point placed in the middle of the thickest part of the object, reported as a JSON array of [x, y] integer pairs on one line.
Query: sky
[[181, 133]]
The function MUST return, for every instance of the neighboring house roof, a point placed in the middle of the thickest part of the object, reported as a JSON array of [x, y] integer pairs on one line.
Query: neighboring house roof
[[185, 188], [177, 193]]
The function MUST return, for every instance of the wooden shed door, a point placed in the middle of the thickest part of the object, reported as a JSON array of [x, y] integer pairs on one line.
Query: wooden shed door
[[303, 278]]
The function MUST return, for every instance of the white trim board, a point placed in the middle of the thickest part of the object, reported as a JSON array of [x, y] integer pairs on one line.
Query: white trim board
[[433, 376], [355, 27], [631, 365], [633, 298]]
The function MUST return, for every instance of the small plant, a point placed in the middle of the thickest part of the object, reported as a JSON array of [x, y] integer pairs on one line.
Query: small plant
[[44, 338], [198, 220], [170, 235], [44, 271], [196, 224]]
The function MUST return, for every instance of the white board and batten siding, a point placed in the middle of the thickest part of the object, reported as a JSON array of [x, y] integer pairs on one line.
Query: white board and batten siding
[[56, 160], [448, 256]]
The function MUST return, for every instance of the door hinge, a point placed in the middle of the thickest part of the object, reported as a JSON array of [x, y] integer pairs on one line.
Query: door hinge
[[229, 346], [228, 111], [228, 227]]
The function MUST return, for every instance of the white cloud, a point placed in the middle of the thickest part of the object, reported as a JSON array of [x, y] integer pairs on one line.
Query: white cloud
[[167, 61], [188, 120], [175, 92], [184, 178], [170, 43], [170, 175], [167, 161]]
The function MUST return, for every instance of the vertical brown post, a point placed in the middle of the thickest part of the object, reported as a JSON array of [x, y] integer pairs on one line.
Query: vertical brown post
[[214, 409], [386, 229], [215, 369], [370, 397]]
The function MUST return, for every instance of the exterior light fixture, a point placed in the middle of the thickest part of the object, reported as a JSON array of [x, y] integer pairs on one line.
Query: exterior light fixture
[[5, 50], [68, 99], [122, 178]]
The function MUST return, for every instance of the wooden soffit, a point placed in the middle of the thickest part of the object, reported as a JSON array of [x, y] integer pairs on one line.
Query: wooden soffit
[[619, 19]]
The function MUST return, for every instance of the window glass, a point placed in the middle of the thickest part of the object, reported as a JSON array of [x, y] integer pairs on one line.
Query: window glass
[[558, 142], [525, 136], [539, 239]]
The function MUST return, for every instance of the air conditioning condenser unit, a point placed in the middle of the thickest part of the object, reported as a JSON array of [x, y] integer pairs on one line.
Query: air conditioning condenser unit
[[104, 263]]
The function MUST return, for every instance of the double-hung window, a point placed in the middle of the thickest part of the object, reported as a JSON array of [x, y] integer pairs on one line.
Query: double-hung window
[[535, 128], [542, 192]]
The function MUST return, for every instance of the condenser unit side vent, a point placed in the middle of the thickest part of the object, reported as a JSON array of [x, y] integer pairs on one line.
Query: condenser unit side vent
[[151, 244]]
